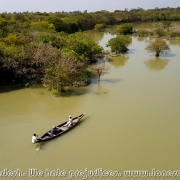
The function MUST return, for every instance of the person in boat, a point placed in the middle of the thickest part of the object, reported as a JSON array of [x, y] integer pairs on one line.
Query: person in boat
[[69, 122], [55, 130], [35, 138]]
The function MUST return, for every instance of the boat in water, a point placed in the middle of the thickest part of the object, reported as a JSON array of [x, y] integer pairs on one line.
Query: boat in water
[[48, 136]]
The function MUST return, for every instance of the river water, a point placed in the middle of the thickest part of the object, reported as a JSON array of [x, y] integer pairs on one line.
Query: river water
[[132, 120]]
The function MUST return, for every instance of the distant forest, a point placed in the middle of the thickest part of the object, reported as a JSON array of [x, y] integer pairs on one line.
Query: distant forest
[[36, 45], [71, 22]]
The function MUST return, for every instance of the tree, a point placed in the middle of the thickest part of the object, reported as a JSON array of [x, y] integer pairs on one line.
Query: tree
[[26, 62], [3, 27], [158, 46], [42, 26], [85, 47], [125, 29], [39, 57], [54, 39], [59, 24], [100, 69], [99, 27], [14, 40], [62, 72], [119, 44]]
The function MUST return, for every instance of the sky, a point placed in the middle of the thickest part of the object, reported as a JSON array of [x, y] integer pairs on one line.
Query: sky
[[82, 5]]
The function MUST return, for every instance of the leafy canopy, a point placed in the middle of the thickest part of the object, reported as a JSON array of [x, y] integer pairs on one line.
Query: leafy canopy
[[125, 29], [119, 44], [85, 47], [100, 27], [158, 46], [59, 74]]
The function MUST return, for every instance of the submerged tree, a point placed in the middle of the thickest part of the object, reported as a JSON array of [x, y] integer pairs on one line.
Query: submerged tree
[[85, 47], [100, 69], [59, 74], [100, 27], [125, 29], [119, 44], [158, 46]]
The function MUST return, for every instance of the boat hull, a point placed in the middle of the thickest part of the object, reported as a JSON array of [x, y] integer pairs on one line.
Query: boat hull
[[48, 136]]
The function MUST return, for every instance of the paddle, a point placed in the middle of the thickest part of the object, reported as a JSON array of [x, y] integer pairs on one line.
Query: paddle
[[39, 145]]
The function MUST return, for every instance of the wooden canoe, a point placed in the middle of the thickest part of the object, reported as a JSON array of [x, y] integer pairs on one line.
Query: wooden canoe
[[48, 136]]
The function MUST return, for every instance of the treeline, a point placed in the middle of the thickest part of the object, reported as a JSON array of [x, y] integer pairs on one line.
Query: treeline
[[71, 22], [50, 47]]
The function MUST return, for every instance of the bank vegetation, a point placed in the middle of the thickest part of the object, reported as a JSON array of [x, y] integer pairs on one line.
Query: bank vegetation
[[51, 48]]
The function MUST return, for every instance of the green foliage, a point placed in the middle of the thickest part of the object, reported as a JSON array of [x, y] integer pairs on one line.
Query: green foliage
[[27, 62], [20, 17], [13, 60], [72, 54], [125, 29], [43, 26], [31, 42], [158, 46], [86, 21], [75, 21], [166, 24], [53, 39], [3, 27], [16, 26], [64, 72], [14, 40], [85, 47], [77, 45], [80, 79], [72, 24], [119, 44], [100, 27], [59, 24], [2, 22], [12, 53]]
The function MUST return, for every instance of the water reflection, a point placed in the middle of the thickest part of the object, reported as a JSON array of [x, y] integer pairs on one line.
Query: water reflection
[[111, 80], [118, 61], [72, 91], [9, 88], [131, 51], [100, 89], [141, 38], [156, 63]]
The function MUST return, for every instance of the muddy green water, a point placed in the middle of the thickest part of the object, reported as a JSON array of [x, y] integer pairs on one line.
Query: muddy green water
[[132, 120]]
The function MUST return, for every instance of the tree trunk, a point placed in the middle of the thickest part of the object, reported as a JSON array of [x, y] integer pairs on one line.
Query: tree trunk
[[62, 89], [157, 54], [99, 77]]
